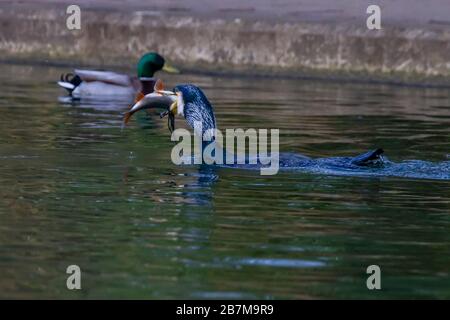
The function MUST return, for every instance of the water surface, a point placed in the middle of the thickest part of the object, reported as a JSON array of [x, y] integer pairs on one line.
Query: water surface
[[76, 189]]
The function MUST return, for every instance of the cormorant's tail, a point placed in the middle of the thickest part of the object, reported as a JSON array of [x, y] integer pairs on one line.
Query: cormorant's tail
[[368, 158], [69, 82]]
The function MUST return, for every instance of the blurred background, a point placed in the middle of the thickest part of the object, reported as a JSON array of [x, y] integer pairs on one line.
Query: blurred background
[[290, 37]]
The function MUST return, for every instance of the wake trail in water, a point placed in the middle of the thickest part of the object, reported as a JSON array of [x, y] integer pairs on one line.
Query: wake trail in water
[[414, 169], [345, 166]]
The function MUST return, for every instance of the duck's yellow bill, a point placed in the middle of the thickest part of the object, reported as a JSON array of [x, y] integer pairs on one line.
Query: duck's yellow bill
[[170, 69]]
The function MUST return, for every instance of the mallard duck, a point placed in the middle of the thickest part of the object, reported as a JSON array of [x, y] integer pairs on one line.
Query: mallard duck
[[91, 83]]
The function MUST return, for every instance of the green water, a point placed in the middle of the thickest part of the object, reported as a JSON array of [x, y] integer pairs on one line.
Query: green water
[[75, 189]]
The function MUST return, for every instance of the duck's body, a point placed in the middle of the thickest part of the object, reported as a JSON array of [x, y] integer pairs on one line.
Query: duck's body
[[91, 83], [100, 84]]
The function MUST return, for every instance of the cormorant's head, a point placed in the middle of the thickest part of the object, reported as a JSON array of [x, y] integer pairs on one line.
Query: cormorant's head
[[185, 100], [150, 63], [193, 105]]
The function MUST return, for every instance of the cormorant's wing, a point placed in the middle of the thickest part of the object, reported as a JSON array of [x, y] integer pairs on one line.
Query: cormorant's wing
[[104, 76]]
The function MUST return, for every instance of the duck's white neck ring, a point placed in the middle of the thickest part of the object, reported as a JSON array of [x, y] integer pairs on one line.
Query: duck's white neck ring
[[146, 79]]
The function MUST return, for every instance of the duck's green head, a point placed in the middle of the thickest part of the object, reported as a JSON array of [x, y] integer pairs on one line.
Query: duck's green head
[[152, 62]]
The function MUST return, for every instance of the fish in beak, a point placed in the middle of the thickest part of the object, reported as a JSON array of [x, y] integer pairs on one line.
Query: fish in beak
[[154, 100], [160, 98]]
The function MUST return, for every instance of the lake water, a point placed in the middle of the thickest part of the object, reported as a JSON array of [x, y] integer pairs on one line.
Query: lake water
[[76, 189]]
